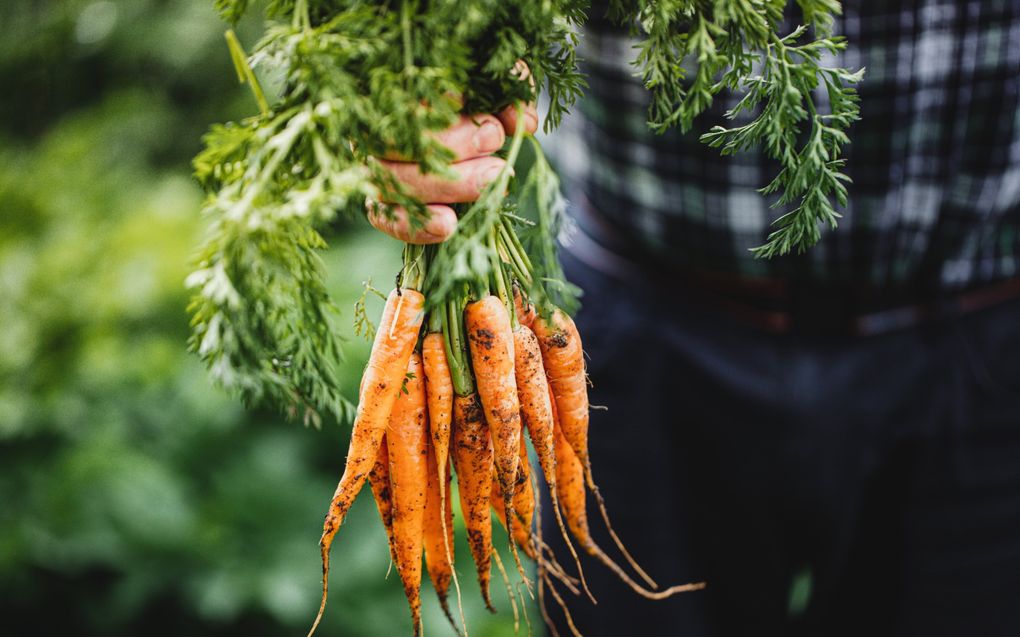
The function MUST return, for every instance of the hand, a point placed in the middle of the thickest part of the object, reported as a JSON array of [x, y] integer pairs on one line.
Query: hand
[[473, 140]]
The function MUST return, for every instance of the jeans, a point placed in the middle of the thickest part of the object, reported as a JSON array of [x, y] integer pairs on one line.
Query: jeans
[[822, 487]]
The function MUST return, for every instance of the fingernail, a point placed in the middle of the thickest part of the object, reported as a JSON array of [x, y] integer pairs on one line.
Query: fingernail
[[488, 137], [489, 175]]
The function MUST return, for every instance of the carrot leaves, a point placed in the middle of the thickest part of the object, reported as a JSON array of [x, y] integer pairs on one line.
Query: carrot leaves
[[736, 45], [348, 80]]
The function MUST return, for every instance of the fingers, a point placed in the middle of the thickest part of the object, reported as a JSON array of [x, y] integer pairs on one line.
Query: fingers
[[508, 117], [472, 136], [471, 177], [472, 139], [440, 225]]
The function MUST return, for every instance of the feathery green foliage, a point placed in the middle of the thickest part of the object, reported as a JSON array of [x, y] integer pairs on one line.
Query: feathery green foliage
[[736, 45], [354, 80]]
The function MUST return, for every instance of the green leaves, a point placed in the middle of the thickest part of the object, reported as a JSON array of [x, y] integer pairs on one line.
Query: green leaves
[[734, 44], [261, 315], [819, 13], [262, 319], [232, 10], [810, 174], [356, 80]]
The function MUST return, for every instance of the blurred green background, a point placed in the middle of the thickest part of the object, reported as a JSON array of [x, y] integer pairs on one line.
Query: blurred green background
[[135, 498]]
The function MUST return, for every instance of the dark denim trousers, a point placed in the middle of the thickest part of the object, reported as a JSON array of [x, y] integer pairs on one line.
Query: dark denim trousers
[[858, 486]]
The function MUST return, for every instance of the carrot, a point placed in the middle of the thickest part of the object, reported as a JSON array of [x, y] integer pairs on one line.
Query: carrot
[[379, 480], [472, 457], [570, 484], [394, 342], [564, 365], [439, 394], [527, 509], [448, 544], [570, 489], [524, 497], [407, 442], [544, 580], [490, 339], [537, 416], [524, 505], [438, 535]]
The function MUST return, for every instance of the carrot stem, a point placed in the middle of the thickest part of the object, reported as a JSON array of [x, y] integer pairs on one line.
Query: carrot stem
[[456, 348], [515, 247], [500, 285], [510, 257], [435, 321], [412, 276]]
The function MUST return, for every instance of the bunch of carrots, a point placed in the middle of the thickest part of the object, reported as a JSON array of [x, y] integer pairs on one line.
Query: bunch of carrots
[[462, 395], [498, 360]]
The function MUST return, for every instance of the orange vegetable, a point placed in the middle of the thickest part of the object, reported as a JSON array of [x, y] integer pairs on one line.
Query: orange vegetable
[[381, 382], [563, 359], [407, 442], [438, 535], [524, 505], [525, 314], [564, 365], [491, 343], [379, 480], [537, 416], [439, 394], [473, 460]]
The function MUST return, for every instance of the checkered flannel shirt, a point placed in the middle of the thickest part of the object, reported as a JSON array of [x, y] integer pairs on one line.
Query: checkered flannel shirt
[[935, 159]]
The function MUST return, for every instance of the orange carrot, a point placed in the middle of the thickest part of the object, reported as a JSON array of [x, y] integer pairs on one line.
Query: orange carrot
[[492, 356], [438, 536], [524, 496], [379, 480], [564, 366], [571, 492], [407, 442], [439, 393], [524, 505], [537, 416], [530, 540], [472, 457], [381, 382], [570, 484]]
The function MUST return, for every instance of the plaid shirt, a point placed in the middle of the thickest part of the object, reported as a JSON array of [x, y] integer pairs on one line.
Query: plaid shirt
[[935, 159]]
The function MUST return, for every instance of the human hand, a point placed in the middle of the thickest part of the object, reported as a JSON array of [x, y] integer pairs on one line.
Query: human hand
[[473, 139]]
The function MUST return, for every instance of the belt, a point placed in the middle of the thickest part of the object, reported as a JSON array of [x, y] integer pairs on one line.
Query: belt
[[778, 306]]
